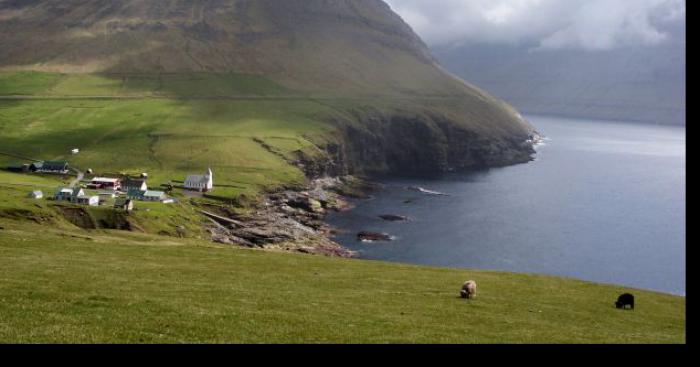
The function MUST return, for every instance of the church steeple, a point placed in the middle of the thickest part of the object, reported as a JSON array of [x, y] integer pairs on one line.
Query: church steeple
[[210, 179]]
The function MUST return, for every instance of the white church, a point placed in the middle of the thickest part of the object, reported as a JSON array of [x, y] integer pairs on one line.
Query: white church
[[201, 183]]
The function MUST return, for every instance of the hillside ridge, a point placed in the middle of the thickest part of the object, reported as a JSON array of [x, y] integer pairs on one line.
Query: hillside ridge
[[397, 109]]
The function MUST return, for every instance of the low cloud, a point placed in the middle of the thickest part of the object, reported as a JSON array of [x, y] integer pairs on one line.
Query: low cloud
[[546, 24]]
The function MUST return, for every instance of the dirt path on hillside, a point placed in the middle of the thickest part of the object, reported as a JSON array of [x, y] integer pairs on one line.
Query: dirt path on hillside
[[79, 177]]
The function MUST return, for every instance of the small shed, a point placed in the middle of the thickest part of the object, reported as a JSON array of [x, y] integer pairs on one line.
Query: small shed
[[151, 195], [134, 184], [63, 193], [75, 151], [36, 194]]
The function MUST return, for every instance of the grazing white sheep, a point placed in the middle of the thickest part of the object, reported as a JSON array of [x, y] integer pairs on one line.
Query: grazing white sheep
[[468, 289]]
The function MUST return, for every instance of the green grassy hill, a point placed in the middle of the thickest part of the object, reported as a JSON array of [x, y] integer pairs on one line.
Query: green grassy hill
[[357, 46], [129, 130], [397, 106], [116, 287]]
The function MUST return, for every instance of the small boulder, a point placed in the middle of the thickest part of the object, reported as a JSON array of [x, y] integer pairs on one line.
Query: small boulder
[[373, 236], [394, 218]]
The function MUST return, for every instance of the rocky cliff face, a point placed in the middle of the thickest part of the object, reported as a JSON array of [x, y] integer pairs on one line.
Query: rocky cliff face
[[414, 146]]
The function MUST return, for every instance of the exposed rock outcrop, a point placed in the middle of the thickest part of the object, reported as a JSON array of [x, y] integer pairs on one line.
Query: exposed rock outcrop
[[394, 218], [373, 236], [287, 220], [414, 146]]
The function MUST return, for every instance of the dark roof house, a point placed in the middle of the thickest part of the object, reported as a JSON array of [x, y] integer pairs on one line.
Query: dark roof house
[[36, 166], [134, 193], [50, 166], [134, 183]]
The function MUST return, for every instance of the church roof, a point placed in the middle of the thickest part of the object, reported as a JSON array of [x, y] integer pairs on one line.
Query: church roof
[[197, 178]]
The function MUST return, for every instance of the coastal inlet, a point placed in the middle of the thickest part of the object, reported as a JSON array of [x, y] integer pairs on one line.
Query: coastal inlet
[[603, 201]]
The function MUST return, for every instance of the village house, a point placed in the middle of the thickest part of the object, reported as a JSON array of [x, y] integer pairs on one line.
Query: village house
[[138, 184], [105, 183], [68, 194], [148, 195], [63, 194], [201, 183], [151, 195], [50, 167]]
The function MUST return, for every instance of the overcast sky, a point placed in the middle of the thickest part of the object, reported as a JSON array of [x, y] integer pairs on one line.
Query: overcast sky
[[546, 24]]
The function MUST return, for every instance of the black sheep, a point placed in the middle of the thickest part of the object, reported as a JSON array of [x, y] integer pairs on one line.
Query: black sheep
[[625, 300]]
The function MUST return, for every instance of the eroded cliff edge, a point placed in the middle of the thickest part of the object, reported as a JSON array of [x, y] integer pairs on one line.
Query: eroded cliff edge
[[415, 145], [293, 219]]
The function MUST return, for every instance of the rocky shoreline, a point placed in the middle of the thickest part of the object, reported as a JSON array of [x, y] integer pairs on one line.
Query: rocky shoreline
[[290, 220]]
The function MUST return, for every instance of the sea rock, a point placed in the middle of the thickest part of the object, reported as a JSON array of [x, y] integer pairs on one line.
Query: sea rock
[[394, 218], [287, 220], [316, 206], [305, 203], [373, 236]]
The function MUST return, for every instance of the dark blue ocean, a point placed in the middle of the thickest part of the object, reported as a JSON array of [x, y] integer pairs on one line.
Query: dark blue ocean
[[604, 201]]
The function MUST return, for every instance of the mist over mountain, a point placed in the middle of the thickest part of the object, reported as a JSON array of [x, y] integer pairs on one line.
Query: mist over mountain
[[622, 60], [645, 84]]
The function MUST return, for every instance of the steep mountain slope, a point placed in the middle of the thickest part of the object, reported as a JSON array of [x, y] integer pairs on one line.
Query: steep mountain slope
[[400, 110]]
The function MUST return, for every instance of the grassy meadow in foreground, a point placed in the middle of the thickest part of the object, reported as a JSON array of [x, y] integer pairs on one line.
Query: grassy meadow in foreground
[[114, 287]]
